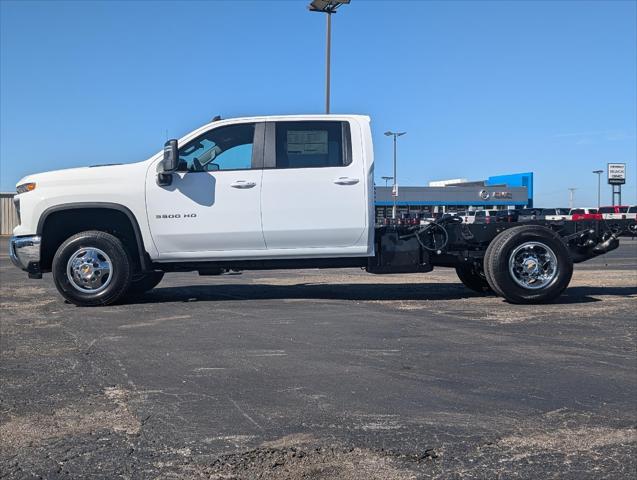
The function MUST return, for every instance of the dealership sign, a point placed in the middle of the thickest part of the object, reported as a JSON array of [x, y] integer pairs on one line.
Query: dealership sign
[[616, 173]]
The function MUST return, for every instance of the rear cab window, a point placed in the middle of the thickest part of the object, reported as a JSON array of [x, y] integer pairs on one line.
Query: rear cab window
[[312, 144]]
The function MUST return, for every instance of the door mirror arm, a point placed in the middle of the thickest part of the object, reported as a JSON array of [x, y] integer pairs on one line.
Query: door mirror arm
[[169, 163]]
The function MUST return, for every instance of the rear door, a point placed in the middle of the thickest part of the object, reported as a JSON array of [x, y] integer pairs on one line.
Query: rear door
[[314, 192]]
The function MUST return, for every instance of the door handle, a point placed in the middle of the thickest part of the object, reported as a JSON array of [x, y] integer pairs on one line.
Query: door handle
[[346, 181], [243, 184]]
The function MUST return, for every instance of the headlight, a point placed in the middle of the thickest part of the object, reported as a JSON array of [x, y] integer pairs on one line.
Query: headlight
[[25, 187]]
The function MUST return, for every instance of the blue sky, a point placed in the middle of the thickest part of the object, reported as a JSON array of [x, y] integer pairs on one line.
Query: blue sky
[[482, 88]]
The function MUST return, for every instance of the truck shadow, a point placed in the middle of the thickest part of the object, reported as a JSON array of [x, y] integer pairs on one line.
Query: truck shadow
[[360, 292]]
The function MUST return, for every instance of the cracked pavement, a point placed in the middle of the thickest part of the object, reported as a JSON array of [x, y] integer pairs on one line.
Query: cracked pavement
[[319, 374]]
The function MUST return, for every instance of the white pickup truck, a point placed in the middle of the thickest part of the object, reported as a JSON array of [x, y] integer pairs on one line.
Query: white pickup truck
[[266, 193]]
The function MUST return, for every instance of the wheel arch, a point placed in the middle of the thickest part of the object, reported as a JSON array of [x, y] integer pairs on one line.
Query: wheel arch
[[82, 209]]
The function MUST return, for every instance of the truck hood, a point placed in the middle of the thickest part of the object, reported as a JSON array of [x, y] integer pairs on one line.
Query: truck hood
[[83, 176]]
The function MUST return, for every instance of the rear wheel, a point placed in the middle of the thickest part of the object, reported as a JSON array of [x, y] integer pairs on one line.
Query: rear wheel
[[144, 282], [473, 278], [528, 264], [91, 268]]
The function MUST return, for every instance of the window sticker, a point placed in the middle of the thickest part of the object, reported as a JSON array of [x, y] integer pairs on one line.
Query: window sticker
[[307, 142]]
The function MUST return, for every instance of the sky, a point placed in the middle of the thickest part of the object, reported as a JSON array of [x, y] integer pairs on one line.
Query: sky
[[481, 88]]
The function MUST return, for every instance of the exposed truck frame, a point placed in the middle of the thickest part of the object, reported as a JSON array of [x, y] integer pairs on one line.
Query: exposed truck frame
[[113, 231]]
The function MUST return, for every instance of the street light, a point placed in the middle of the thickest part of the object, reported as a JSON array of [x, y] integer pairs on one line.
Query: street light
[[395, 189], [599, 186], [571, 197], [387, 179], [329, 7]]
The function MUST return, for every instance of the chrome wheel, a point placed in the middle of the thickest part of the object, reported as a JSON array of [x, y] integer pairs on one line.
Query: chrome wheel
[[89, 270], [533, 265]]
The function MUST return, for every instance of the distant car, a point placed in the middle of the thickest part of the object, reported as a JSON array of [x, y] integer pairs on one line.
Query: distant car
[[528, 214], [632, 212], [617, 212], [507, 216], [485, 216], [468, 217], [555, 214], [578, 214]]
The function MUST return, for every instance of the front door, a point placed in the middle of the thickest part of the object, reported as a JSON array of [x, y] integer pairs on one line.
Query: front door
[[213, 203]]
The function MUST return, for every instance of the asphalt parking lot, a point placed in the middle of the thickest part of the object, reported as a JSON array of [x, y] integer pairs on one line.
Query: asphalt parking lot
[[321, 374]]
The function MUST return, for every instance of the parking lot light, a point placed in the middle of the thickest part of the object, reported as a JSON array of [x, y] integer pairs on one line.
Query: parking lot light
[[394, 192], [599, 186], [329, 7]]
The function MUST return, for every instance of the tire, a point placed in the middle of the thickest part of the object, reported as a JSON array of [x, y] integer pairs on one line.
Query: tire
[[92, 268], [528, 264], [144, 282], [473, 279]]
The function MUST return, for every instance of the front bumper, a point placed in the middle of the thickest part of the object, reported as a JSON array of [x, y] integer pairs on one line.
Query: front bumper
[[25, 254]]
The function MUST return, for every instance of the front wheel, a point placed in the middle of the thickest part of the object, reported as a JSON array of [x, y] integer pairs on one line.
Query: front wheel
[[91, 268], [528, 264]]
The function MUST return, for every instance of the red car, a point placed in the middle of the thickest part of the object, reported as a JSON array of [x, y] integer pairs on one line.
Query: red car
[[585, 214]]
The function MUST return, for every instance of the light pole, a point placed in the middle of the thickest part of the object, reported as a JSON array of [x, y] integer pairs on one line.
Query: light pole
[[329, 7], [387, 179], [599, 186], [394, 191], [571, 197]]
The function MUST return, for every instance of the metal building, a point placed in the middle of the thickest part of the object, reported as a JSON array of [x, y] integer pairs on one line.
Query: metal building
[[8, 214]]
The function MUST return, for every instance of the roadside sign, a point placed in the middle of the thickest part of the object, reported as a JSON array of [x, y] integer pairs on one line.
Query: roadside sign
[[394, 191], [616, 173]]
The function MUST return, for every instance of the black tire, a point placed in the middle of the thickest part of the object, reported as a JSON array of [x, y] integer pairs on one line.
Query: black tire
[[118, 277], [473, 279], [144, 282], [538, 240]]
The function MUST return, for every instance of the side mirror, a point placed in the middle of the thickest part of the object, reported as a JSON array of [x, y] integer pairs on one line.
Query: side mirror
[[171, 156], [169, 164]]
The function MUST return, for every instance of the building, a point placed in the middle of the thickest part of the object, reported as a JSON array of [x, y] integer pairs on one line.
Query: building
[[498, 192]]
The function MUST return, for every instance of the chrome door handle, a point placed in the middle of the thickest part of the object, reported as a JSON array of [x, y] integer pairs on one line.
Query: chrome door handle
[[346, 181], [243, 184]]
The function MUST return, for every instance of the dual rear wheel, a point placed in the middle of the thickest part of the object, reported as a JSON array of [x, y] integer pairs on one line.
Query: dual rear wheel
[[525, 264]]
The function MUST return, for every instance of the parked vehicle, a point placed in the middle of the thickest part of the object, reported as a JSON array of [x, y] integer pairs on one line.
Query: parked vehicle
[[555, 214], [631, 214], [268, 193], [468, 217], [578, 214], [616, 212], [528, 214], [506, 216], [485, 216]]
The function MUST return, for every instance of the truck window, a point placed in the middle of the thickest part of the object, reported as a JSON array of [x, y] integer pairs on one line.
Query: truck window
[[223, 148], [312, 144]]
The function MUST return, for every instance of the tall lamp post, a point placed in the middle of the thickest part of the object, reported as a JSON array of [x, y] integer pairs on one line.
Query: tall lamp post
[[571, 197], [387, 179], [599, 186], [329, 7], [394, 191]]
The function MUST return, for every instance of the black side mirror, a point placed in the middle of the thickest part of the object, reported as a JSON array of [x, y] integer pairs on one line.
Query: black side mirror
[[171, 156], [169, 164]]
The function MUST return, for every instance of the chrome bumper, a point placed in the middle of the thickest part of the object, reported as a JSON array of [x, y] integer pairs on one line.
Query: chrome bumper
[[25, 254]]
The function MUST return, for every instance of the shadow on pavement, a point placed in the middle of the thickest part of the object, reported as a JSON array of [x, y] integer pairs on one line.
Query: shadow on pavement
[[401, 291]]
